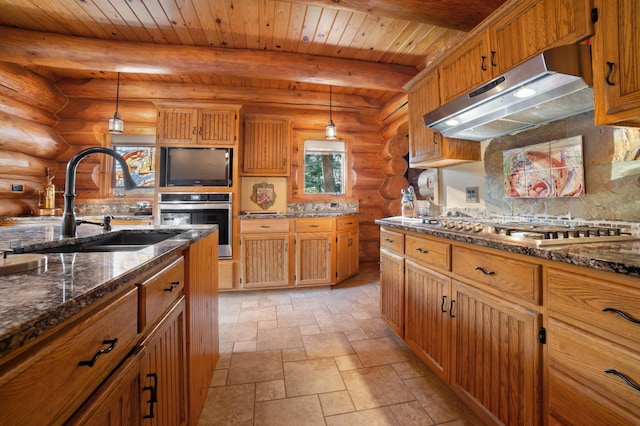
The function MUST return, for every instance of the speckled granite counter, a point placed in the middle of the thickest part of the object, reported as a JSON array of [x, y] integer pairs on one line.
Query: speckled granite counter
[[619, 257], [295, 215], [33, 302]]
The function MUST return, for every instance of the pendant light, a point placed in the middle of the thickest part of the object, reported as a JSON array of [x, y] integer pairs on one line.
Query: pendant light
[[330, 129], [116, 124]]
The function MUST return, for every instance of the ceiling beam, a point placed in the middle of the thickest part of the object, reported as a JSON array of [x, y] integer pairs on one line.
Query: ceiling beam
[[58, 51], [456, 14]]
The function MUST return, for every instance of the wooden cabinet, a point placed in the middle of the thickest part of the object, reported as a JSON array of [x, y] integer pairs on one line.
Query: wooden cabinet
[[593, 353], [347, 247], [210, 126], [392, 288], [616, 63], [428, 148], [265, 149], [496, 356], [315, 251], [265, 253]]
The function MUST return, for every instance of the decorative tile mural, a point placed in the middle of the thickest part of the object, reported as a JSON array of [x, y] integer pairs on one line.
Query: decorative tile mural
[[550, 169], [140, 160]]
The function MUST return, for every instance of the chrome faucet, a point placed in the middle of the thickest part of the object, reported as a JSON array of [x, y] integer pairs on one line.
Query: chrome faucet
[[69, 223]]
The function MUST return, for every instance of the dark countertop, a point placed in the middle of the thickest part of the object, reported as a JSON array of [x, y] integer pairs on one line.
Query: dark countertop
[[36, 301], [617, 257], [295, 215]]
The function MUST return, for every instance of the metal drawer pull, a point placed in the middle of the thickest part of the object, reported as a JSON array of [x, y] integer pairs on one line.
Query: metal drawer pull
[[265, 226], [389, 240], [622, 314], [451, 309], [421, 250], [608, 76], [623, 377], [313, 226], [443, 308], [174, 284], [153, 399], [481, 269], [92, 362]]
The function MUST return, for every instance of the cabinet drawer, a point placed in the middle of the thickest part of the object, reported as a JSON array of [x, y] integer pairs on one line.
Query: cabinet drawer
[[159, 292], [518, 278], [587, 358], [428, 252], [314, 225], [585, 299], [261, 226], [392, 241], [71, 366], [348, 222]]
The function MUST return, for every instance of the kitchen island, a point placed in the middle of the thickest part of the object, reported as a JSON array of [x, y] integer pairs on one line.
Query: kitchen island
[[524, 334], [86, 333]]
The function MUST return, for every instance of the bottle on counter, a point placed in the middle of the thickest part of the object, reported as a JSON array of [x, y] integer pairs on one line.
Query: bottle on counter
[[50, 194]]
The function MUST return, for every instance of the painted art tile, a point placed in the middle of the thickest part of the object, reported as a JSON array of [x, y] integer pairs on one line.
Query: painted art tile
[[549, 169]]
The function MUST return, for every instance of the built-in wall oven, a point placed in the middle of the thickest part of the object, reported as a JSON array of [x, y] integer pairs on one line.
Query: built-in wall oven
[[180, 208]]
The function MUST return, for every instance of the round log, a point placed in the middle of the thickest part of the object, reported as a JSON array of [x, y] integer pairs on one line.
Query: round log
[[397, 146], [29, 137], [17, 207], [102, 110], [368, 197], [367, 161], [20, 164], [27, 87], [392, 187], [16, 108], [392, 208], [397, 166]]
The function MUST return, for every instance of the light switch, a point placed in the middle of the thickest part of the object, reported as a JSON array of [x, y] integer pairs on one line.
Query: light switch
[[472, 194]]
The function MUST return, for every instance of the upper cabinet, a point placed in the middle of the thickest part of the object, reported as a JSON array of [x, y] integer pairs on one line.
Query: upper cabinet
[[210, 126], [266, 146], [428, 148], [616, 63], [522, 32]]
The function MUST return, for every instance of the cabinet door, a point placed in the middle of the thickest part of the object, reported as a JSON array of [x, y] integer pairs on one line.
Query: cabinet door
[[392, 290], [265, 147], [177, 125], [315, 261], [427, 322], [535, 26], [616, 62], [423, 142], [496, 356], [216, 127], [347, 254], [163, 371], [469, 67], [265, 260]]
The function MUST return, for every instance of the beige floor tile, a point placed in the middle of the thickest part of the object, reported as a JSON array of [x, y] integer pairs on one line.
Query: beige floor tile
[[263, 325], [375, 417], [225, 357], [357, 334], [249, 346], [253, 367], [257, 314], [308, 304], [295, 354], [410, 369], [439, 401], [279, 338], [267, 391], [411, 414], [374, 327], [336, 323], [326, 345], [308, 330], [228, 405], [380, 351], [376, 387], [219, 377], [300, 411], [348, 362], [296, 319], [336, 403], [238, 332], [312, 376]]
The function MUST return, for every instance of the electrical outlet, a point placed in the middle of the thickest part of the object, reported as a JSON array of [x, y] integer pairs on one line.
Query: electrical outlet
[[16, 187], [472, 194]]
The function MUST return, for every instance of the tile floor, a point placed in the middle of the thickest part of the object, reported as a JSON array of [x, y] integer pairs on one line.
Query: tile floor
[[321, 356]]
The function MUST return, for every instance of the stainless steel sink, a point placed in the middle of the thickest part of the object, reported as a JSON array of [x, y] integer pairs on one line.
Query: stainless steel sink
[[111, 243]]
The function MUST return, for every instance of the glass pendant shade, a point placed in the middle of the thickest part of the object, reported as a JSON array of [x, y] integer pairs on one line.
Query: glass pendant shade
[[116, 123], [330, 131]]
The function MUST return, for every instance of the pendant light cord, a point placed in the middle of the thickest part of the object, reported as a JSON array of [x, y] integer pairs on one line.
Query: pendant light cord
[[117, 93], [330, 103]]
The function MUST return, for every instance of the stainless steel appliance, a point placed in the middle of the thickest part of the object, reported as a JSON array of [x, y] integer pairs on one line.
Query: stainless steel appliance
[[196, 208]]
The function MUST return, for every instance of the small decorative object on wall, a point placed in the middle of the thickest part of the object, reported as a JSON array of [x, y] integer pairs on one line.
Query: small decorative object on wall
[[550, 169], [263, 195]]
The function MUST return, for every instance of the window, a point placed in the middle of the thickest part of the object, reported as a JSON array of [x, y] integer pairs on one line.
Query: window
[[324, 167], [139, 153]]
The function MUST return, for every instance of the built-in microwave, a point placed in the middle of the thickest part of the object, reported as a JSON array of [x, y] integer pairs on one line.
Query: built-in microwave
[[196, 166]]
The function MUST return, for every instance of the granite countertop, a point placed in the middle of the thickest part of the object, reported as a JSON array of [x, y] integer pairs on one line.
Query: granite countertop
[[294, 215], [33, 302], [618, 257]]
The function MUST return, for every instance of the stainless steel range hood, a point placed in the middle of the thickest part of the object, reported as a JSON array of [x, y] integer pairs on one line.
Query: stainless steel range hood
[[558, 82]]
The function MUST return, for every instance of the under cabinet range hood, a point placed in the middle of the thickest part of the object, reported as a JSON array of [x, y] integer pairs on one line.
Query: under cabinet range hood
[[553, 85]]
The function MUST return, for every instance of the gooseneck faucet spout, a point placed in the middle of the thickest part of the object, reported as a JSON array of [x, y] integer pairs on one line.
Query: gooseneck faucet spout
[[68, 225]]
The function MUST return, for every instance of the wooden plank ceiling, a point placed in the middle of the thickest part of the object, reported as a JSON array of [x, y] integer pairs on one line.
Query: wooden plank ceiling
[[402, 36]]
